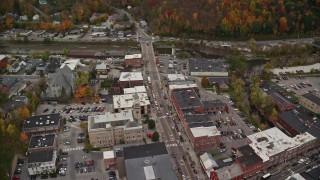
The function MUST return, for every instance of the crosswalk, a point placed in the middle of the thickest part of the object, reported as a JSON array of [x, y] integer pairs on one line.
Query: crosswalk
[[73, 149], [172, 145]]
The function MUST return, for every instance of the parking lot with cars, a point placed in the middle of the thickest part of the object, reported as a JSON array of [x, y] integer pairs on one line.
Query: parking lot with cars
[[299, 85], [171, 65]]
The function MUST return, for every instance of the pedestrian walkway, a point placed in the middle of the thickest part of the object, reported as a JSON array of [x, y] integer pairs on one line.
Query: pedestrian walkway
[[73, 149], [172, 145]]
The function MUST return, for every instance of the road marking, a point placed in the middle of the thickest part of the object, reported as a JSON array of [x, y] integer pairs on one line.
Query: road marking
[[73, 149], [171, 145]]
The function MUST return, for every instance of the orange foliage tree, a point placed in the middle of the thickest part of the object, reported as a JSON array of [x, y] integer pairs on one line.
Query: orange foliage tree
[[23, 137], [25, 113]]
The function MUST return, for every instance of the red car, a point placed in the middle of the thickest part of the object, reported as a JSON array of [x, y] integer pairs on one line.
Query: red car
[[15, 177]]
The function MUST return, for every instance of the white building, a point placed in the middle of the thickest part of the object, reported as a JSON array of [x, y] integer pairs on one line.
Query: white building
[[131, 76], [127, 101], [133, 56], [42, 162], [176, 77], [273, 146], [72, 64], [136, 89], [114, 128]]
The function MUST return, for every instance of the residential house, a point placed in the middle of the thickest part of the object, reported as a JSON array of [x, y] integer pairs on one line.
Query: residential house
[[31, 66], [221, 82], [102, 68], [14, 68], [7, 83], [15, 103], [3, 62], [41, 68]]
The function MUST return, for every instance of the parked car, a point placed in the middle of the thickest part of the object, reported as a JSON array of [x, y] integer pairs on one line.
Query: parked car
[[46, 110]]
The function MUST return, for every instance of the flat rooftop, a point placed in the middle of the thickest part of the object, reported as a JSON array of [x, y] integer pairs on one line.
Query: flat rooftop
[[131, 76], [133, 56], [136, 89], [198, 120], [207, 65], [42, 121], [313, 98], [248, 156], [294, 120], [126, 100], [182, 86], [229, 172], [39, 141], [72, 63], [176, 77], [101, 121], [213, 103], [102, 66], [146, 150], [187, 98], [205, 131], [41, 156], [271, 142]]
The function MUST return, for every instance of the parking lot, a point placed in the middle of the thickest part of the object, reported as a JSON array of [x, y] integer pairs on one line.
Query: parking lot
[[171, 65], [299, 85]]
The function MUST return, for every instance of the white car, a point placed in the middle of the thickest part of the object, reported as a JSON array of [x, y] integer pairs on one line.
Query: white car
[[301, 161]]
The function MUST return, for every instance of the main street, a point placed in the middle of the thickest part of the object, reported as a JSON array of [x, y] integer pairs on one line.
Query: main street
[[169, 136]]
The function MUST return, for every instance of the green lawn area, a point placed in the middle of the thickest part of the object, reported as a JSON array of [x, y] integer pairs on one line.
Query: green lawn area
[[106, 84]]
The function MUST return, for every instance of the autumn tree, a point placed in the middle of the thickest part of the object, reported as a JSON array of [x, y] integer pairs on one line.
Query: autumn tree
[[204, 82], [80, 12], [25, 113], [24, 138], [82, 78], [283, 24]]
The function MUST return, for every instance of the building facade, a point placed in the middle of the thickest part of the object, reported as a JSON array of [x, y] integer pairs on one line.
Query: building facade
[[134, 60], [42, 162], [117, 128], [310, 101], [130, 79]]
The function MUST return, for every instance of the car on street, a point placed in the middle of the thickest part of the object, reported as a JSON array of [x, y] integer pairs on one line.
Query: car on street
[[46, 110], [81, 170]]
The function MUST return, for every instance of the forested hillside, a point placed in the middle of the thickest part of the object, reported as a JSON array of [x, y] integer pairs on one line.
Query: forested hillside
[[228, 17]]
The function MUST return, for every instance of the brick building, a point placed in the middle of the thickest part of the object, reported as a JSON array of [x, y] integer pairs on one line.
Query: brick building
[[109, 159], [200, 130], [214, 106], [283, 103], [133, 60], [130, 79], [249, 161]]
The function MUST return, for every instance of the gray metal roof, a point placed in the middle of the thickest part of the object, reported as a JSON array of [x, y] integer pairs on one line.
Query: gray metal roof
[[187, 98], [150, 167]]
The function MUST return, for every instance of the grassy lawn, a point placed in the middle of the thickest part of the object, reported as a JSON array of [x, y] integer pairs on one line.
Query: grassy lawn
[[106, 84]]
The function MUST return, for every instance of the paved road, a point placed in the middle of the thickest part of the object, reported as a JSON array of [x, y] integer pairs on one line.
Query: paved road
[[168, 135]]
